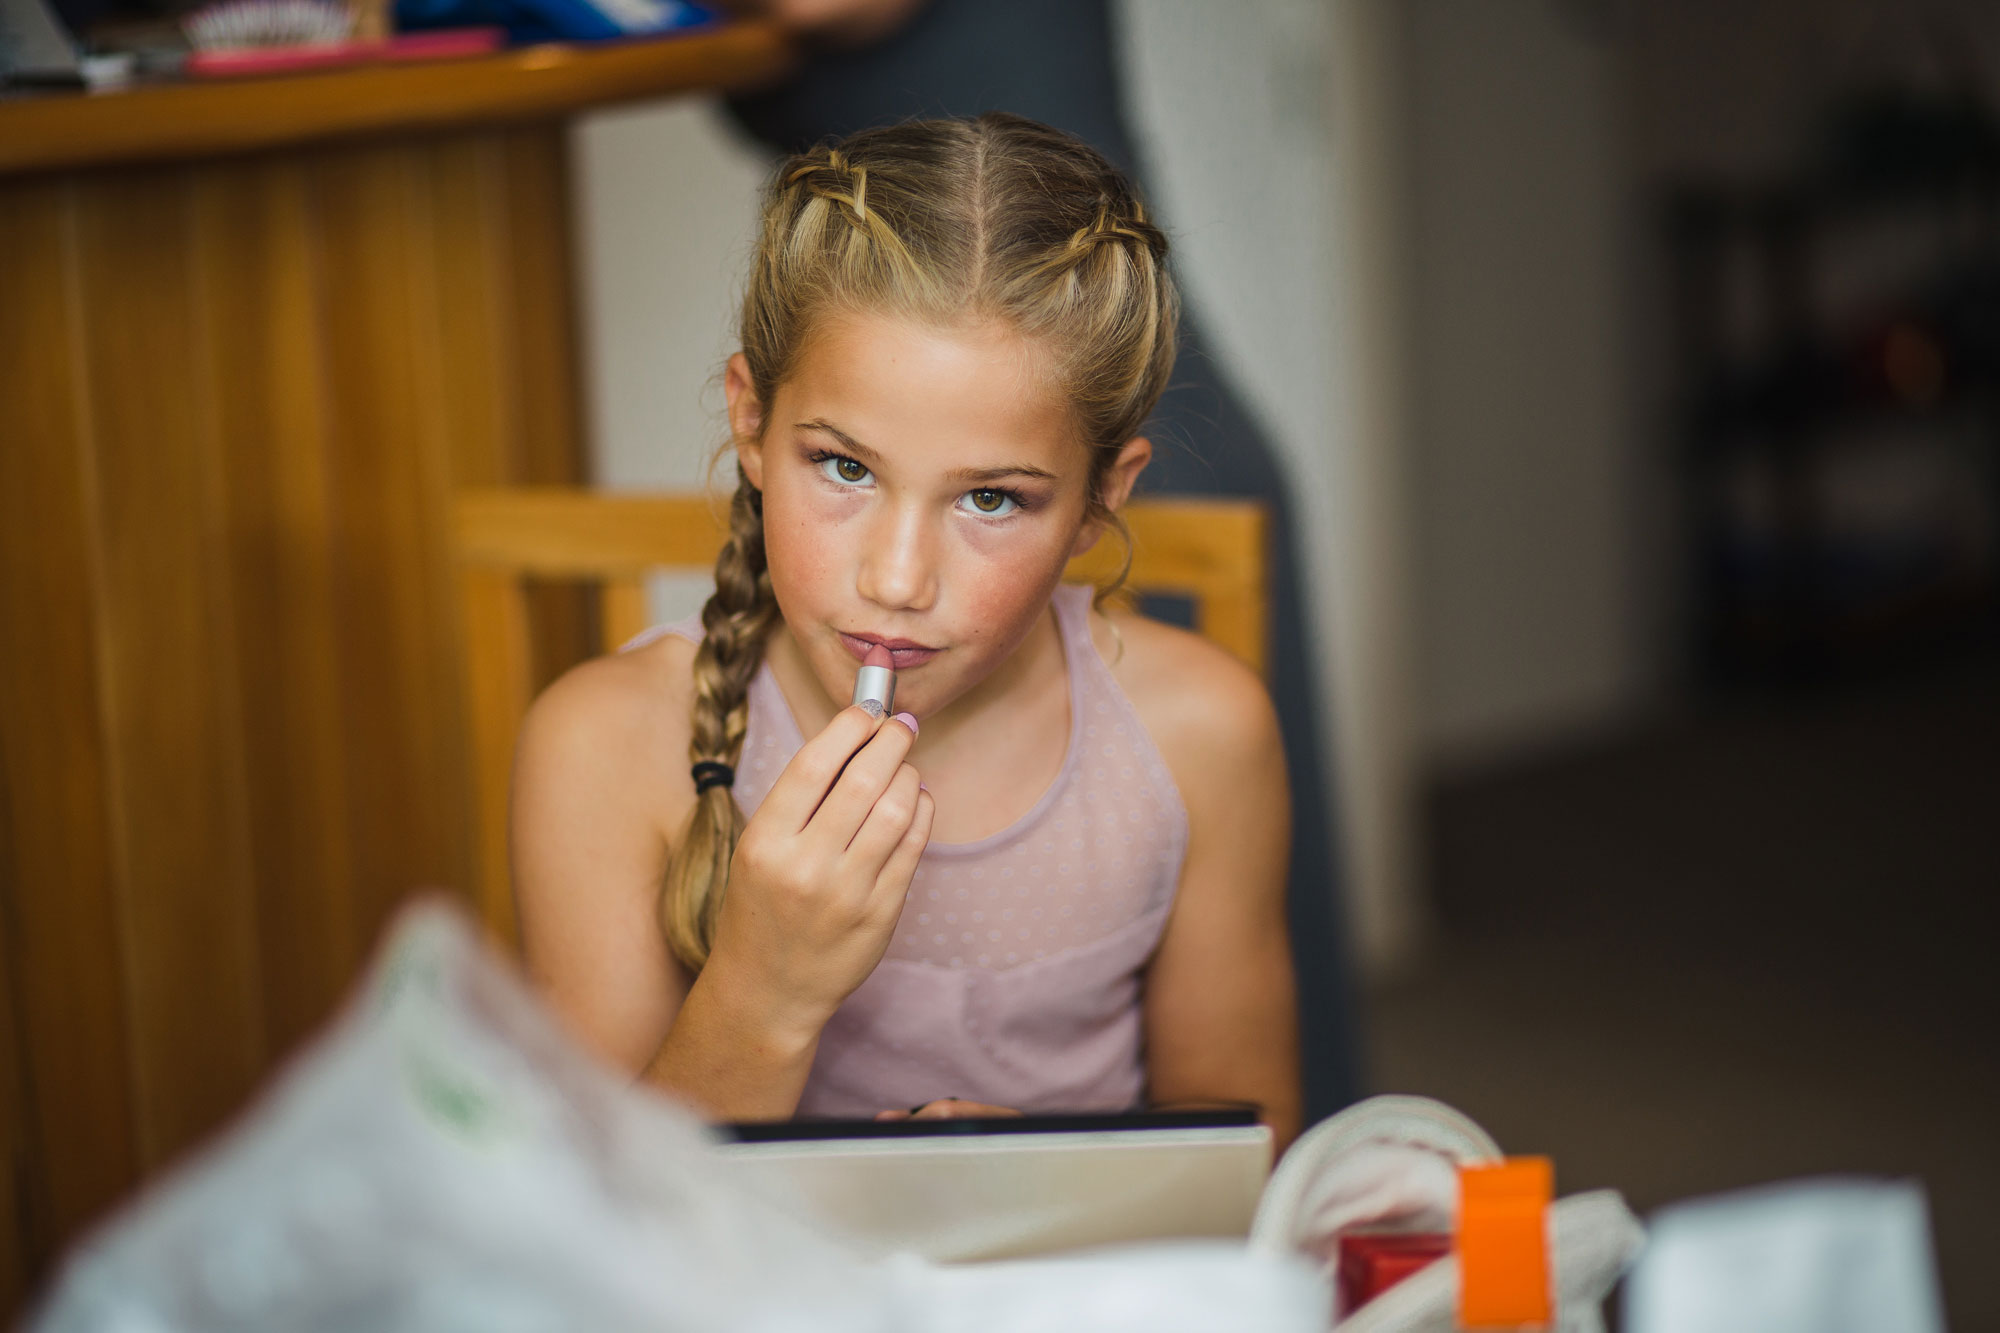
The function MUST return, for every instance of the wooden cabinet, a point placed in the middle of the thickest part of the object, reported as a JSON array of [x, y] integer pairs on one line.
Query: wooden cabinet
[[252, 338]]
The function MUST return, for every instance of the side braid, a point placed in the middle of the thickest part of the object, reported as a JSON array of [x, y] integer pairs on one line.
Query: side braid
[[737, 618]]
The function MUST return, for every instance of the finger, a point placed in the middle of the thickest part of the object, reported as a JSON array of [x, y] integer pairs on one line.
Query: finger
[[892, 1115], [881, 833], [893, 882], [856, 791], [818, 764]]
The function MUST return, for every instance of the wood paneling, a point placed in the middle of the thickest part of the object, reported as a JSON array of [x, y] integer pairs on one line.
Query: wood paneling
[[537, 185], [78, 1113], [257, 266], [172, 728], [478, 349], [502, 232], [406, 816], [15, 1167], [236, 398]]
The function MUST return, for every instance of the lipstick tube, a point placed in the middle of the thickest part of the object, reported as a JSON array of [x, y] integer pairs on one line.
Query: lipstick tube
[[875, 689]]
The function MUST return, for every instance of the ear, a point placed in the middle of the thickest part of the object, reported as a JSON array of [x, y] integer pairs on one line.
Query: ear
[[1124, 471], [1116, 487], [746, 418]]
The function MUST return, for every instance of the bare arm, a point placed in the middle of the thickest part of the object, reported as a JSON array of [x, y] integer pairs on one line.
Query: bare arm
[[599, 795], [595, 802], [1220, 1017]]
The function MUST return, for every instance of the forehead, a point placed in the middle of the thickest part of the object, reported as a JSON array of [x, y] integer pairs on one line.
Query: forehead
[[974, 393]]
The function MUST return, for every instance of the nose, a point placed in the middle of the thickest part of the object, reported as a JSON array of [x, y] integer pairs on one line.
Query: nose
[[898, 569]]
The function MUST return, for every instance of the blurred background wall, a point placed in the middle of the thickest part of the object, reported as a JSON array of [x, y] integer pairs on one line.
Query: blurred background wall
[[1527, 452], [1705, 490]]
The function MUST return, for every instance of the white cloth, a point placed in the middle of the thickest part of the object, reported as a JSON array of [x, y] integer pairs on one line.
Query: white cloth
[[1817, 1256], [444, 1160]]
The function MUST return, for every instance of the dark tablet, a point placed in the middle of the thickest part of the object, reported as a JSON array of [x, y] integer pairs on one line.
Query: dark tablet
[[794, 1131]]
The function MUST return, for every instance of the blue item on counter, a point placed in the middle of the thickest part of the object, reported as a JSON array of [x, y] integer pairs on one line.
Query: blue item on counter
[[554, 20]]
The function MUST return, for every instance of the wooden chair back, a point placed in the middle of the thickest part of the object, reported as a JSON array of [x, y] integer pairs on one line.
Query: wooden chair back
[[1211, 552]]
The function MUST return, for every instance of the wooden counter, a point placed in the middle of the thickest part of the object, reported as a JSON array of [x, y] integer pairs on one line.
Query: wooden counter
[[206, 118], [253, 336]]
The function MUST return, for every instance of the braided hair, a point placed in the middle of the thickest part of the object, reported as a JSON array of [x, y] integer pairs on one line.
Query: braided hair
[[938, 221]]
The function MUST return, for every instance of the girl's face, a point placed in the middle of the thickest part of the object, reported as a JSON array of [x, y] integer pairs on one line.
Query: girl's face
[[923, 489]]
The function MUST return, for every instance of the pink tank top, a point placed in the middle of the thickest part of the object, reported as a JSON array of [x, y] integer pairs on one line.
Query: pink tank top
[[1015, 970]]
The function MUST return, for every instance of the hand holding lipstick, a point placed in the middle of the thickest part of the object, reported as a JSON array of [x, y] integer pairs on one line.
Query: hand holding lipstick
[[820, 873]]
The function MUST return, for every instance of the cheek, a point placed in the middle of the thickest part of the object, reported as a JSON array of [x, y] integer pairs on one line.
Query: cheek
[[1004, 579], [803, 542]]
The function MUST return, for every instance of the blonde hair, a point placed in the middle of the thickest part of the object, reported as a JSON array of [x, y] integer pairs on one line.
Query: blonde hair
[[938, 221]]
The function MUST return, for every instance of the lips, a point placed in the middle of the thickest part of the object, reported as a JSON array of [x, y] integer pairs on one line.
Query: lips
[[903, 653]]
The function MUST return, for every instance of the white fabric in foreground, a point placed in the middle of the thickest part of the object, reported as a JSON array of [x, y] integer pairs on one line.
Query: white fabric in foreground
[[444, 1160], [1819, 1256]]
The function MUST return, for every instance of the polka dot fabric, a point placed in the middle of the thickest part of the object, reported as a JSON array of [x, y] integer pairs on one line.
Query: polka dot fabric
[[1013, 976], [1101, 848]]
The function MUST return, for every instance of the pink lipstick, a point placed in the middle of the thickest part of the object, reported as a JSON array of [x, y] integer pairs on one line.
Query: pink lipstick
[[904, 654], [875, 683]]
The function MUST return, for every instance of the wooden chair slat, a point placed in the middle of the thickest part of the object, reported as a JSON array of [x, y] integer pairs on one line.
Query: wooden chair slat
[[1210, 551], [554, 532], [621, 611], [500, 684]]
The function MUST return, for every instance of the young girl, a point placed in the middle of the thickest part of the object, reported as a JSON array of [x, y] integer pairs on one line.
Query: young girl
[[1054, 880]]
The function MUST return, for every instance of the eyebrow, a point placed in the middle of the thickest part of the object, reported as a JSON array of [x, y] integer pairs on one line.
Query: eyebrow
[[864, 454]]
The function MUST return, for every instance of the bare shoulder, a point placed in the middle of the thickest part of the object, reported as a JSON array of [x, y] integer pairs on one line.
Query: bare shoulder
[[601, 789], [616, 727], [1209, 714]]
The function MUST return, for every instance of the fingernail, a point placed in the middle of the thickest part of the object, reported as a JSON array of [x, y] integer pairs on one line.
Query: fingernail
[[923, 786], [872, 707], [909, 720]]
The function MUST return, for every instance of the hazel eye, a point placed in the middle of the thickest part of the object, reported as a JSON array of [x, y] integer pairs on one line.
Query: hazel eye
[[844, 470], [992, 503]]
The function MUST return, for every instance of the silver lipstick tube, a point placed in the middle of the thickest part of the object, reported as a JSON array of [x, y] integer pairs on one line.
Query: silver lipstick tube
[[875, 690]]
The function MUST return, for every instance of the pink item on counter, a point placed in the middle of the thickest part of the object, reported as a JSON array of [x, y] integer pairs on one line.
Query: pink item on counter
[[250, 61]]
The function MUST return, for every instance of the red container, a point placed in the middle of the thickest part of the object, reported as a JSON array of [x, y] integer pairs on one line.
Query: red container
[[1371, 1262]]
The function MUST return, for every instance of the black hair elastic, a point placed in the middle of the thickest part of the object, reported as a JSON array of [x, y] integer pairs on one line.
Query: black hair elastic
[[708, 774]]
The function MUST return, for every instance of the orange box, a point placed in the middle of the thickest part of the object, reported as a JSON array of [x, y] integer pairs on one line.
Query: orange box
[[1503, 1243]]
